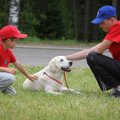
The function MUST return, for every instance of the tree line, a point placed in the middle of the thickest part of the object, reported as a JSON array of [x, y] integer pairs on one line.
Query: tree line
[[55, 19]]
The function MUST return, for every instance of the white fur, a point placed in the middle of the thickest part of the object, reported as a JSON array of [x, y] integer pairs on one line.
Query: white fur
[[54, 70]]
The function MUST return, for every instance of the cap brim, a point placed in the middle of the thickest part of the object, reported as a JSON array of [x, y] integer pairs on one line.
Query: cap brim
[[21, 36], [97, 21]]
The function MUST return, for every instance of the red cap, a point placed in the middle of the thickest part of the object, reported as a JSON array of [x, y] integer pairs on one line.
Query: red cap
[[11, 31]]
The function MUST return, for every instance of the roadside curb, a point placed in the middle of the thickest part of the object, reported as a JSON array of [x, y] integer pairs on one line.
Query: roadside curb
[[53, 47]]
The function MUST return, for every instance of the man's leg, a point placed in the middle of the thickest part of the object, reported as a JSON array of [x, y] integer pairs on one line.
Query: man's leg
[[105, 69], [6, 80]]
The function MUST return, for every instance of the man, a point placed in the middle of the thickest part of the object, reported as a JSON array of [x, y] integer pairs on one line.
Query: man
[[9, 37], [105, 69]]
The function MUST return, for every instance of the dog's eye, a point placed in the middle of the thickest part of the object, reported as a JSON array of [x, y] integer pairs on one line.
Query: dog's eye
[[61, 60]]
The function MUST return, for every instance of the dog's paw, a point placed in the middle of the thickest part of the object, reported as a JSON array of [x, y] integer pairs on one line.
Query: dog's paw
[[57, 93], [54, 93], [77, 92]]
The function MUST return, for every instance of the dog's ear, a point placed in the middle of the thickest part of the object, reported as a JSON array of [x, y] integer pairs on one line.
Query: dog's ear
[[52, 66]]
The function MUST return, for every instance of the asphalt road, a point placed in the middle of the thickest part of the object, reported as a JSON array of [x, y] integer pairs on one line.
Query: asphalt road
[[42, 56]]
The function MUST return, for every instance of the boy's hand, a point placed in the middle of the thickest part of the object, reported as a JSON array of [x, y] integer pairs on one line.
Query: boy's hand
[[32, 77], [11, 70]]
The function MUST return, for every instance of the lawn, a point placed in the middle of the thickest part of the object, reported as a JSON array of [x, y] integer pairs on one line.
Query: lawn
[[58, 42], [92, 104]]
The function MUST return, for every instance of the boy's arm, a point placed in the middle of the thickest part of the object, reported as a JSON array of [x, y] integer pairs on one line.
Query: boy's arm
[[22, 70], [8, 70]]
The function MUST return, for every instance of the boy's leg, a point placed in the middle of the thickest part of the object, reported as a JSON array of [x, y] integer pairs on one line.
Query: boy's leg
[[105, 69], [6, 80]]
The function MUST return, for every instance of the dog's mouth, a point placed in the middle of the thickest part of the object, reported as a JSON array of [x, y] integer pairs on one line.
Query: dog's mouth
[[66, 69]]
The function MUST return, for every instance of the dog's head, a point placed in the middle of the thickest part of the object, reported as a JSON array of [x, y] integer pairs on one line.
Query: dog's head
[[60, 63]]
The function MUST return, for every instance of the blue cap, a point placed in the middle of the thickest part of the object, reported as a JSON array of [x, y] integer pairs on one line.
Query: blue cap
[[103, 13]]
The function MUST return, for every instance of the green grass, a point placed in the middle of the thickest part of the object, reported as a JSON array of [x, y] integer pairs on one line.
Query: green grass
[[65, 42], [34, 105]]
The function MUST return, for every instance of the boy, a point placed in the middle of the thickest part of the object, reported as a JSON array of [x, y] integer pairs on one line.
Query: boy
[[9, 36]]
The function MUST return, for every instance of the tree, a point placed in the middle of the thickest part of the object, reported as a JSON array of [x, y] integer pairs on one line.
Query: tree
[[75, 20], [14, 12], [114, 3], [4, 12], [86, 19], [56, 19]]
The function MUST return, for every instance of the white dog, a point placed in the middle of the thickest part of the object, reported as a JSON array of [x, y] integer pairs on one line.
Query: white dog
[[50, 78]]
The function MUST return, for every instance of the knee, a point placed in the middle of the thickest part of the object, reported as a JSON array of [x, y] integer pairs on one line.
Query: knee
[[91, 57], [10, 79]]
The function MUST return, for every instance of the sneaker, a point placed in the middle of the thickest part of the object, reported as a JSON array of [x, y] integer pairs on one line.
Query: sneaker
[[10, 90], [115, 93]]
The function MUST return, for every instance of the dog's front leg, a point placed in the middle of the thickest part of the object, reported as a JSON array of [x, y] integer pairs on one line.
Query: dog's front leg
[[50, 90]]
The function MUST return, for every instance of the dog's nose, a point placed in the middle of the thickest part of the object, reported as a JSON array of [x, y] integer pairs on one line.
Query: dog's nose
[[70, 63]]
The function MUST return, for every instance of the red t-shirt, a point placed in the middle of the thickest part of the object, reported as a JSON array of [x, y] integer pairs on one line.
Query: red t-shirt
[[114, 36], [6, 57]]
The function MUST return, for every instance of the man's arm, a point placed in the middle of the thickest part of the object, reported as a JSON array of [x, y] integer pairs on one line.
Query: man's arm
[[99, 48]]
